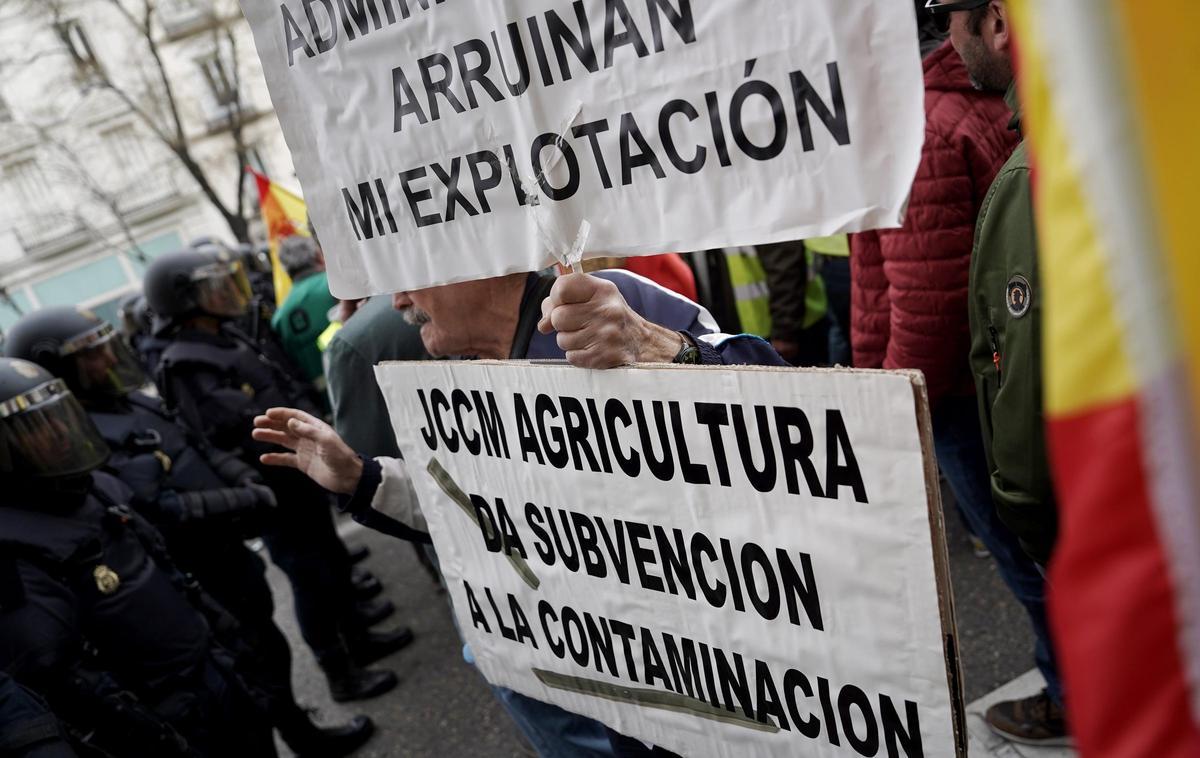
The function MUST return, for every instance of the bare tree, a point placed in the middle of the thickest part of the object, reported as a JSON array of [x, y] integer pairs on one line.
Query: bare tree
[[149, 91]]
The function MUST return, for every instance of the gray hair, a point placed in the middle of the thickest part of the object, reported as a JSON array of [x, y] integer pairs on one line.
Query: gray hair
[[298, 254]]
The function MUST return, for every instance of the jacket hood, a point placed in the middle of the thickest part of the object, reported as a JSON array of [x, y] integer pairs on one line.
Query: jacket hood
[[945, 72]]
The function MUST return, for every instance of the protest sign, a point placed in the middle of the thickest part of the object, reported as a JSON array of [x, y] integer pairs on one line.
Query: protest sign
[[444, 140], [723, 562]]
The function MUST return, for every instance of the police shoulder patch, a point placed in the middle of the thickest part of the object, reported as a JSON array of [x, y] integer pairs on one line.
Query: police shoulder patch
[[1018, 296]]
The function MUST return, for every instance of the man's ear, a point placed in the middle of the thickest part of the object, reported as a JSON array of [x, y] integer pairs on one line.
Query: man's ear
[[998, 23]]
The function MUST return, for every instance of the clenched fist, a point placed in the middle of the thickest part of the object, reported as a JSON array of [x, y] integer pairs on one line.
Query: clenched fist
[[597, 328]]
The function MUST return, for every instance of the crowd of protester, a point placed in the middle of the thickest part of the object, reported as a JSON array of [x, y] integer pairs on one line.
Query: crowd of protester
[[139, 461]]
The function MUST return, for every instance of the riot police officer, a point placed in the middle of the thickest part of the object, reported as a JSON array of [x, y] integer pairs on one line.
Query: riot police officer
[[218, 380], [205, 502], [92, 613]]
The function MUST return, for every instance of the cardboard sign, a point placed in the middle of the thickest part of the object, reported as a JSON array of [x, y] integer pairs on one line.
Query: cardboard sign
[[723, 562], [445, 140]]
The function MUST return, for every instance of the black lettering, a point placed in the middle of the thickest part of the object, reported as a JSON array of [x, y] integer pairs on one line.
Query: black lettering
[[568, 190], [715, 416], [733, 682], [850, 697], [533, 518], [418, 196], [459, 400], [478, 620], [614, 39], [598, 429], [685, 667], [404, 101], [580, 44], [804, 590], [642, 556], [356, 11], [324, 44], [644, 157], [602, 644], [517, 45], [837, 446], [482, 185], [453, 195], [718, 128], [908, 735], [360, 219], [693, 473], [576, 425], [673, 556], [810, 727], [525, 432], [680, 19], [626, 633], [505, 631], [836, 121], [767, 698], [737, 106], [558, 454], [615, 411], [487, 524], [652, 662], [477, 74], [616, 553], [797, 452], [439, 86], [590, 130], [753, 555], [764, 479], [662, 468], [697, 161], [520, 622], [294, 37], [589, 550], [508, 531], [427, 433], [570, 620], [437, 399], [546, 611], [495, 439], [570, 561], [714, 594]]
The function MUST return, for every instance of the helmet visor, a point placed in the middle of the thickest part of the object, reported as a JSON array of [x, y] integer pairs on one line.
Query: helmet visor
[[104, 364], [46, 433], [222, 289]]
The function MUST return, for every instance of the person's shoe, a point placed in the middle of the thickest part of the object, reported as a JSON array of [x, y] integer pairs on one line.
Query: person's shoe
[[978, 548], [366, 585], [371, 646], [371, 612], [361, 684], [331, 741], [358, 553], [1035, 720]]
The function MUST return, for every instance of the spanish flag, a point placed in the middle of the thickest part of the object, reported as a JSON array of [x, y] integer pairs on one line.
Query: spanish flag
[[1111, 109], [285, 215]]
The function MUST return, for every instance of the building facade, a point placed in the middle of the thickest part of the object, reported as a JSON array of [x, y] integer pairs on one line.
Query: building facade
[[91, 191]]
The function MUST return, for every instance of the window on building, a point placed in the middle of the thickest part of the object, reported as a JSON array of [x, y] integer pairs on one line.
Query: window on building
[[220, 81], [28, 184], [182, 17], [127, 149], [87, 66]]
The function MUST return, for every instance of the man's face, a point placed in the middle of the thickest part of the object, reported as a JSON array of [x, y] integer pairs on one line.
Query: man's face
[[445, 315], [983, 44], [94, 365]]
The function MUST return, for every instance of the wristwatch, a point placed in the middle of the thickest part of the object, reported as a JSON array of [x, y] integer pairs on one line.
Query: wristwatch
[[688, 352]]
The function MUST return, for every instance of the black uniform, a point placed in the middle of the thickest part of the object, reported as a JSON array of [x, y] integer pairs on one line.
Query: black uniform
[[98, 621], [27, 727], [219, 383]]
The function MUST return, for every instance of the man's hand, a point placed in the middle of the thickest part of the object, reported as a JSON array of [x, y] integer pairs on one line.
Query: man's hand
[[317, 450], [597, 328]]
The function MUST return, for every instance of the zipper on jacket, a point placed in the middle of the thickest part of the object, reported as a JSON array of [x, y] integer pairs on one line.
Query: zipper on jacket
[[995, 340]]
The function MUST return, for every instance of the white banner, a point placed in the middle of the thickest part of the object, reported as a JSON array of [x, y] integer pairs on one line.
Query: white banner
[[445, 140], [723, 562]]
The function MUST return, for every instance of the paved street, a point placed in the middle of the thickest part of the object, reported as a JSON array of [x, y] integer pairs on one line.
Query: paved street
[[444, 708]]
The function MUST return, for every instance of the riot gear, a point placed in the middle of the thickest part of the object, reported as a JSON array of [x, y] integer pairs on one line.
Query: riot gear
[[44, 431], [197, 281], [80, 348]]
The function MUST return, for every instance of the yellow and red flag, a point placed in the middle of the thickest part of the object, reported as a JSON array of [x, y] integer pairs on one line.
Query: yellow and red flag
[[1110, 91], [284, 214]]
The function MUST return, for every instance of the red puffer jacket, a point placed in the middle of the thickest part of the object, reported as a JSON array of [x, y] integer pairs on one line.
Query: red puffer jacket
[[909, 298]]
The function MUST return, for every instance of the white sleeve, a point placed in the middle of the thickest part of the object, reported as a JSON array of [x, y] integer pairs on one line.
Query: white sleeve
[[396, 496]]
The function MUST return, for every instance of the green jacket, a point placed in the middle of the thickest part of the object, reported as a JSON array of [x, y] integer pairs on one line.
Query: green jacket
[[300, 320], [1006, 353]]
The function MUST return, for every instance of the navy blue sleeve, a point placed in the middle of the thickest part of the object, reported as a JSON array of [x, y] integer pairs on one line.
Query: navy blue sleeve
[[737, 350]]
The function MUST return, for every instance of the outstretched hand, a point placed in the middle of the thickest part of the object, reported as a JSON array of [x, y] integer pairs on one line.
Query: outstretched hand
[[316, 449]]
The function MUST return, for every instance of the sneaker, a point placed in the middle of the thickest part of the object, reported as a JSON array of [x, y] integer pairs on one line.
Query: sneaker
[[1035, 720]]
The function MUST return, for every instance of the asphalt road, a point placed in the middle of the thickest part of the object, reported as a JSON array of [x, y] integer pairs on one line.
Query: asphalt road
[[444, 708]]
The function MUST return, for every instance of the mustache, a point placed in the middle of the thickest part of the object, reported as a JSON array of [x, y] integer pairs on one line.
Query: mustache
[[415, 316]]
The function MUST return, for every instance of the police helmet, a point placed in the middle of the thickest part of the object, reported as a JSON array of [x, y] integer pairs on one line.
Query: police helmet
[[134, 315], [44, 431], [79, 347], [197, 281]]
